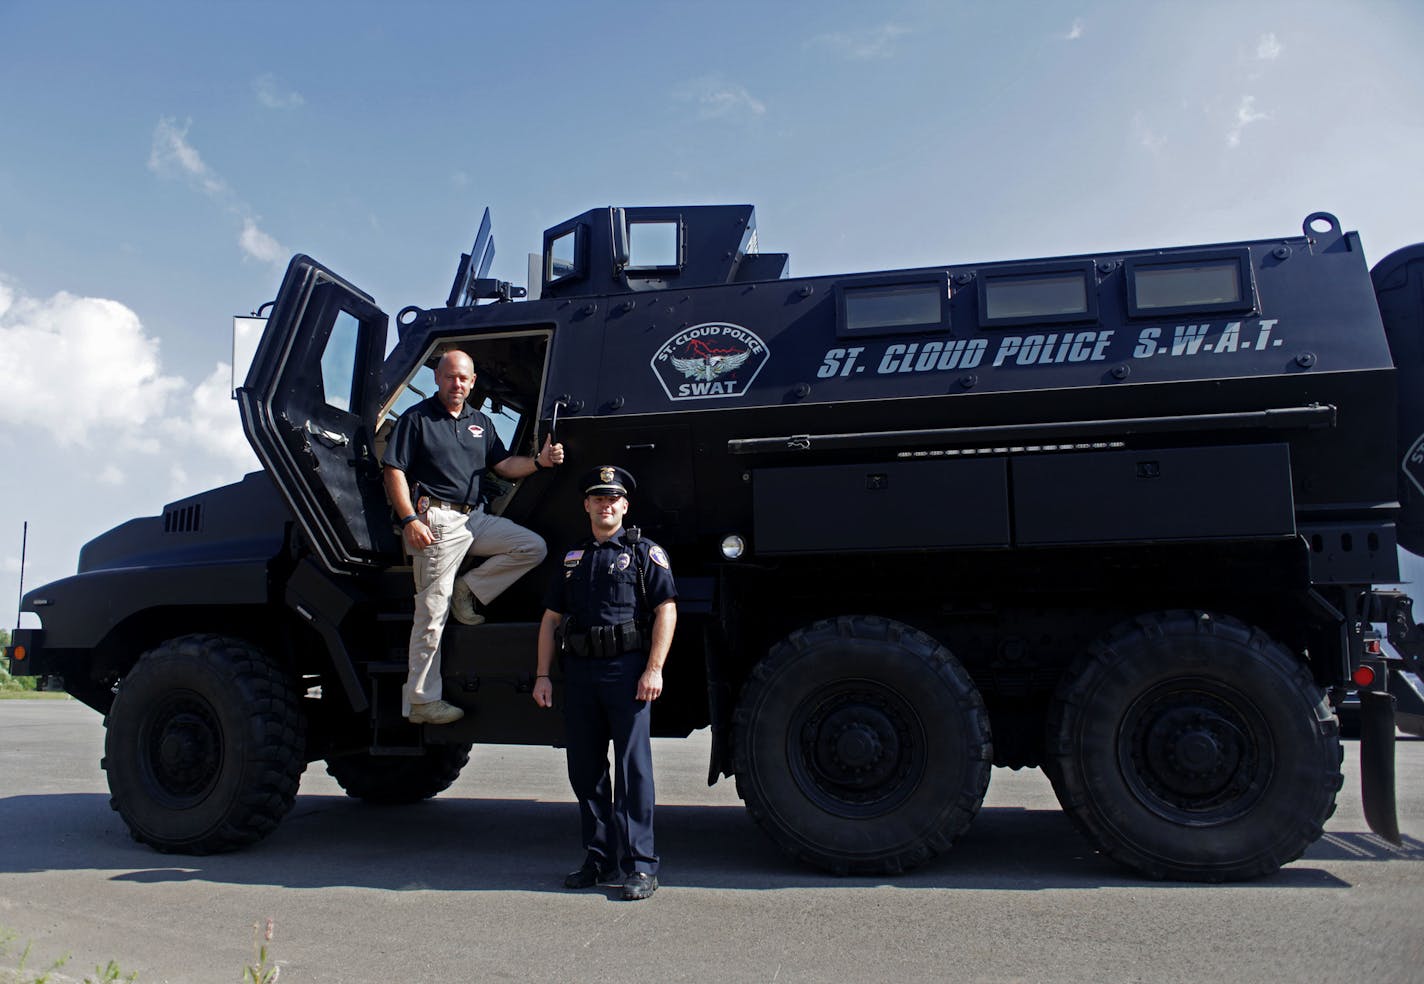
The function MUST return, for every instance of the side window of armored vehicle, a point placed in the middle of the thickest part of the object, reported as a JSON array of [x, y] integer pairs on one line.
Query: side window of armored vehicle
[[654, 246], [563, 256], [1218, 282], [881, 306], [1038, 295], [338, 362]]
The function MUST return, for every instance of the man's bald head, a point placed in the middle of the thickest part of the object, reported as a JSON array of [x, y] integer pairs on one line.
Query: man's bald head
[[455, 357], [455, 375]]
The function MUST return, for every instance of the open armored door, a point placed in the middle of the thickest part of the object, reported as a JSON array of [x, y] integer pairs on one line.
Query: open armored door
[[307, 408]]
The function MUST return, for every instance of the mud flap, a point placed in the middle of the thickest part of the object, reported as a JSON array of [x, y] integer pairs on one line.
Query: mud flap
[[1377, 763]]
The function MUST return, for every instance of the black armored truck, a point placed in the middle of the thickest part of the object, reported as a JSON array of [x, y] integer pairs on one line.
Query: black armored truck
[[1120, 516]]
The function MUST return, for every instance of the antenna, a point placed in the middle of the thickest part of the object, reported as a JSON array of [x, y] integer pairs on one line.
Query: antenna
[[24, 542]]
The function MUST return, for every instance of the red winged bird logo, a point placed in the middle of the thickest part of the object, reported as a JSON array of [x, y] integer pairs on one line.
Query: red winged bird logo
[[710, 360]]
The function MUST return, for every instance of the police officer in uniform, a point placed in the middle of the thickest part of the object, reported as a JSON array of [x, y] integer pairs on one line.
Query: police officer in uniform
[[613, 605]]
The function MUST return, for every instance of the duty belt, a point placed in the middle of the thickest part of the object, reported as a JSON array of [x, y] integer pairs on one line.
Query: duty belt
[[605, 641], [460, 507]]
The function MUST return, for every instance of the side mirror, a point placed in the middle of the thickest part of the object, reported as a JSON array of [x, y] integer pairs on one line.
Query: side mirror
[[618, 223], [246, 333]]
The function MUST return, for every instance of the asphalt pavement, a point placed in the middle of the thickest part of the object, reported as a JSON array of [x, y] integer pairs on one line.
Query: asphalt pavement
[[468, 887]]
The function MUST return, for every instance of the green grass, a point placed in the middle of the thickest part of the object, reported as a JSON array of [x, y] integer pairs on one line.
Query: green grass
[[23, 974], [22, 686], [263, 969]]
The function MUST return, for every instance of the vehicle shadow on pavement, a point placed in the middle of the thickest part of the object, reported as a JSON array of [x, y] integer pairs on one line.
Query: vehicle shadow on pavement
[[462, 845]]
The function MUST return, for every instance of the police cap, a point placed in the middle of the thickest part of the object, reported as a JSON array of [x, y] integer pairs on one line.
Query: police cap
[[608, 480]]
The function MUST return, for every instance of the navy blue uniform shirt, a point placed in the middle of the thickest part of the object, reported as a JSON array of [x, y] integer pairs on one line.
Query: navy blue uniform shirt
[[598, 582], [445, 454]]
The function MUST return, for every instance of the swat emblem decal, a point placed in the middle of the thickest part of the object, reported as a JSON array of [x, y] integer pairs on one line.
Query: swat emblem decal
[[1413, 464], [710, 360]]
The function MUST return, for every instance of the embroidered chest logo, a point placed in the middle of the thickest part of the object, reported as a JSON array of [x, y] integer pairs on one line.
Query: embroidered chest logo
[[709, 361], [477, 430]]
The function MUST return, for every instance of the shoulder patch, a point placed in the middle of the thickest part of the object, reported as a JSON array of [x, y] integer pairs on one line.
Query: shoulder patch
[[572, 558], [659, 556]]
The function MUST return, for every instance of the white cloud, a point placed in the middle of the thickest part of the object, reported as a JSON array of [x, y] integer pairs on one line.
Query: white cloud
[[79, 370], [717, 99], [877, 42], [1246, 114], [211, 425], [93, 416], [731, 100], [171, 154], [258, 245], [1268, 48], [1076, 31], [82, 372], [272, 94]]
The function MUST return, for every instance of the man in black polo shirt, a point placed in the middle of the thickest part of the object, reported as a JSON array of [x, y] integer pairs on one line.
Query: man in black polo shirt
[[445, 445]]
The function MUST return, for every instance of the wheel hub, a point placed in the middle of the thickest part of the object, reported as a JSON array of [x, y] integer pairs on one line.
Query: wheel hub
[[184, 748], [1191, 755], [857, 746], [855, 750]]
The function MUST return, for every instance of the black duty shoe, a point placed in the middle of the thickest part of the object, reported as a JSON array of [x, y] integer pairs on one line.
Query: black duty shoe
[[589, 875], [639, 885]]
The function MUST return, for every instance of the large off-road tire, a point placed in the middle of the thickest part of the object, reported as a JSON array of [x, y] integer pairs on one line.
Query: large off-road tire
[[205, 745], [1194, 747], [862, 746], [394, 780]]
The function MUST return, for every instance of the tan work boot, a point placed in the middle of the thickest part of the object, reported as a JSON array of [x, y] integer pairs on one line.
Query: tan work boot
[[435, 712], [462, 604]]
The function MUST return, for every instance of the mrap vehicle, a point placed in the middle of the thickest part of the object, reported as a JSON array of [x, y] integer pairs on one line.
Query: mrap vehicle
[[1119, 516]]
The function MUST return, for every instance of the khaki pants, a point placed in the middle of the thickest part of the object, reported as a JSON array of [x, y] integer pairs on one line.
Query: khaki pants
[[510, 549]]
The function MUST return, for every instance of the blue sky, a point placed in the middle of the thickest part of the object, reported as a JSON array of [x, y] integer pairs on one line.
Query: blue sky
[[160, 162]]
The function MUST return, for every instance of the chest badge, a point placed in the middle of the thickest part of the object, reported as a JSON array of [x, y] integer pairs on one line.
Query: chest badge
[[572, 558], [477, 430], [622, 562]]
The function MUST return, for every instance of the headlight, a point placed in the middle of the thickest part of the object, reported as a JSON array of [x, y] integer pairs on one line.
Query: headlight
[[733, 546]]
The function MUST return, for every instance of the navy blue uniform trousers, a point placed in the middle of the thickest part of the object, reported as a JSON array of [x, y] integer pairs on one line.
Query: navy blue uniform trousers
[[601, 705]]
